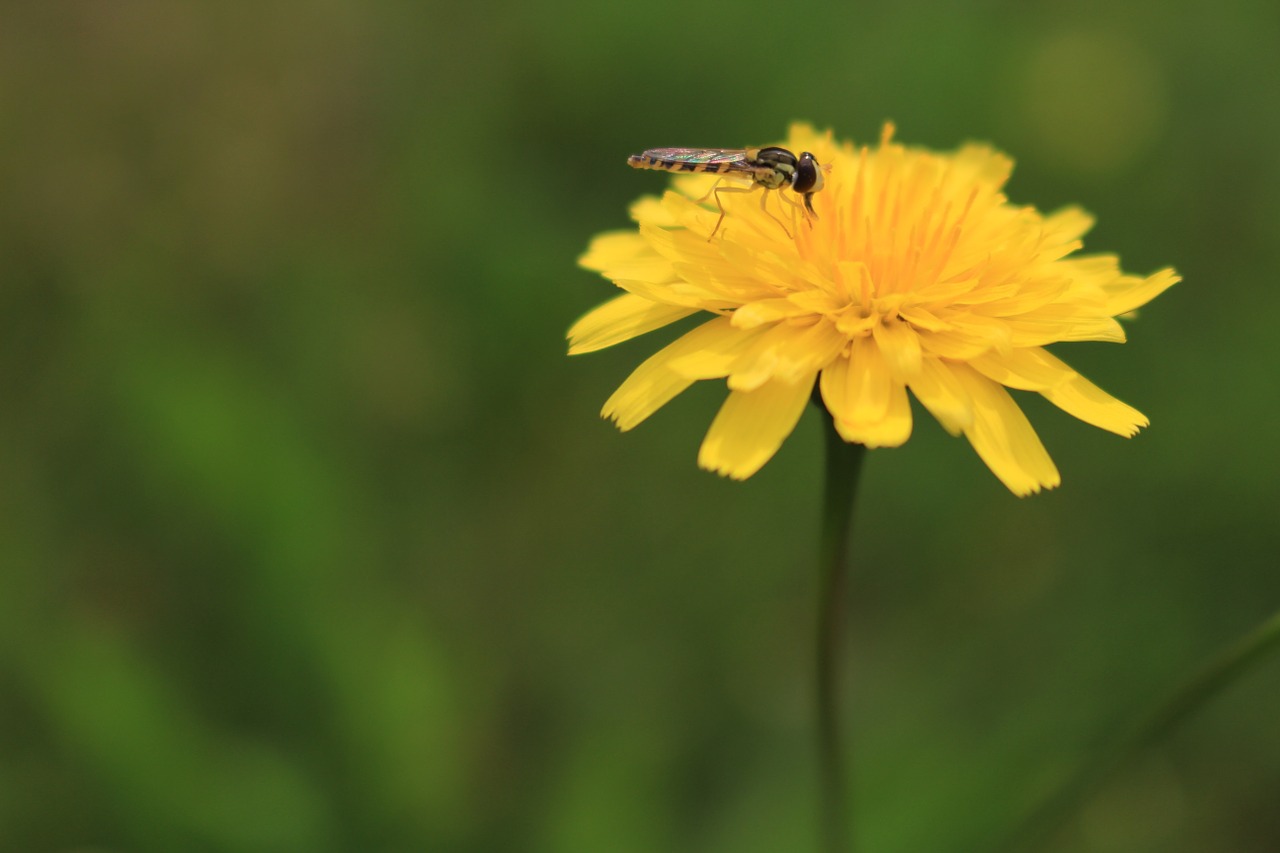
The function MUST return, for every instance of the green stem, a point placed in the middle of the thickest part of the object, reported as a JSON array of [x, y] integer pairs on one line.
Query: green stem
[[844, 462], [1049, 818]]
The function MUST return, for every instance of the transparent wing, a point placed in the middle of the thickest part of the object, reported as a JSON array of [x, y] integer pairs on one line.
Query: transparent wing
[[698, 155]]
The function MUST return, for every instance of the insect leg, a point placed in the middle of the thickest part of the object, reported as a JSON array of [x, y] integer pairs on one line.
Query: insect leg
[[781, 224], [710, 191], [804, 214], [716, 192]]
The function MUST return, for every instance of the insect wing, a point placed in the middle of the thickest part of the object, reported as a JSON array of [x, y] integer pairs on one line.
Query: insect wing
[[698, 156], [716, 160]]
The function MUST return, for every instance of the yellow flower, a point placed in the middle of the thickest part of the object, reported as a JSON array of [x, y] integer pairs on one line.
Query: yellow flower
[[918, 274]]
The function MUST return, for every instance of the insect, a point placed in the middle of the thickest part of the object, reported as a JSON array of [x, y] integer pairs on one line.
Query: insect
[[770, 168]]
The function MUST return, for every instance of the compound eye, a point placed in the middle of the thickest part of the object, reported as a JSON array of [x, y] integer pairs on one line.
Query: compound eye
[[808, 175]]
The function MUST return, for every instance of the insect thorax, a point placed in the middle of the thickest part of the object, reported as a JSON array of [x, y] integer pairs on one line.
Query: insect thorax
[[780, 160]]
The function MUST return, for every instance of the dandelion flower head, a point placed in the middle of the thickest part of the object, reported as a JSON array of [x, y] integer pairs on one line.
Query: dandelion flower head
[[918, 275]]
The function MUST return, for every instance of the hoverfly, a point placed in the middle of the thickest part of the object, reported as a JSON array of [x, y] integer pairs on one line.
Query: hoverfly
[[770, 168]]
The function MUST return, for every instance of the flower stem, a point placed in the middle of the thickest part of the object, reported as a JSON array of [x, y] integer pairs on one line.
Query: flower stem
[[844, 462], [1186, 699]]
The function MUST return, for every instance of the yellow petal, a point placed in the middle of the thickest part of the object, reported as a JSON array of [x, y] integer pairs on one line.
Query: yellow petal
[[857, 388], [1023, 297], [751, 426], [938, 390], [768, 268], [675, 293], [679, 245], [614, 247], [702, 267], [1099, 268], [813, 349], [995, 332], [724, 282], [787, 352], [1082, 399], [1067, 225], [833, 384], [649, 209], [654, 384], [696, 186], [953, 344], [802, 136], [1004, 438], [648, 267], [621, 319], [1133, 295], [922, 319], [757, 366], [1045, 327], [990, 165], [900, 346], [891, 430], [763, 311], [945, 293], [1027, 369], [719, 347]]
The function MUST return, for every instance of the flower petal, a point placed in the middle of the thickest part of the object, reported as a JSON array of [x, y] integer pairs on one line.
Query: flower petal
[[1025, 368], [654, 384], [613, 247], [1082, 399], [763, 311], [814, 348], [720, 348], [891, 430], [1025, 296], [648, 209], [703, 270], [1067, 225], [956, 344], [1131, 292], [621, 319], [647, 268], [900, 346], [922, 319], [1003, 437], [676, 293], [787, 352], [857, 388], [1046, 327], [680, 245], [735, 287], [939, 391], [995, 332], [751, 426], [779, 274], [802, 136]]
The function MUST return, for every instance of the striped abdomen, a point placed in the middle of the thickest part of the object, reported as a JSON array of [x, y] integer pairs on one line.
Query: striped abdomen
[[712, 161]]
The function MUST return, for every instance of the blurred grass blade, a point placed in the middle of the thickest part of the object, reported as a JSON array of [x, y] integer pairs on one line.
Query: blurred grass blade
[[1046, 821]]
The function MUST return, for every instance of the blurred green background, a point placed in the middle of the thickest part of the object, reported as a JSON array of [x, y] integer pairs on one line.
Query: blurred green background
[[311, 538]]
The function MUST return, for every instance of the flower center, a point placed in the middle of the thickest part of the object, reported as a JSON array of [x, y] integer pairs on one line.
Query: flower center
[[857, 319]]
